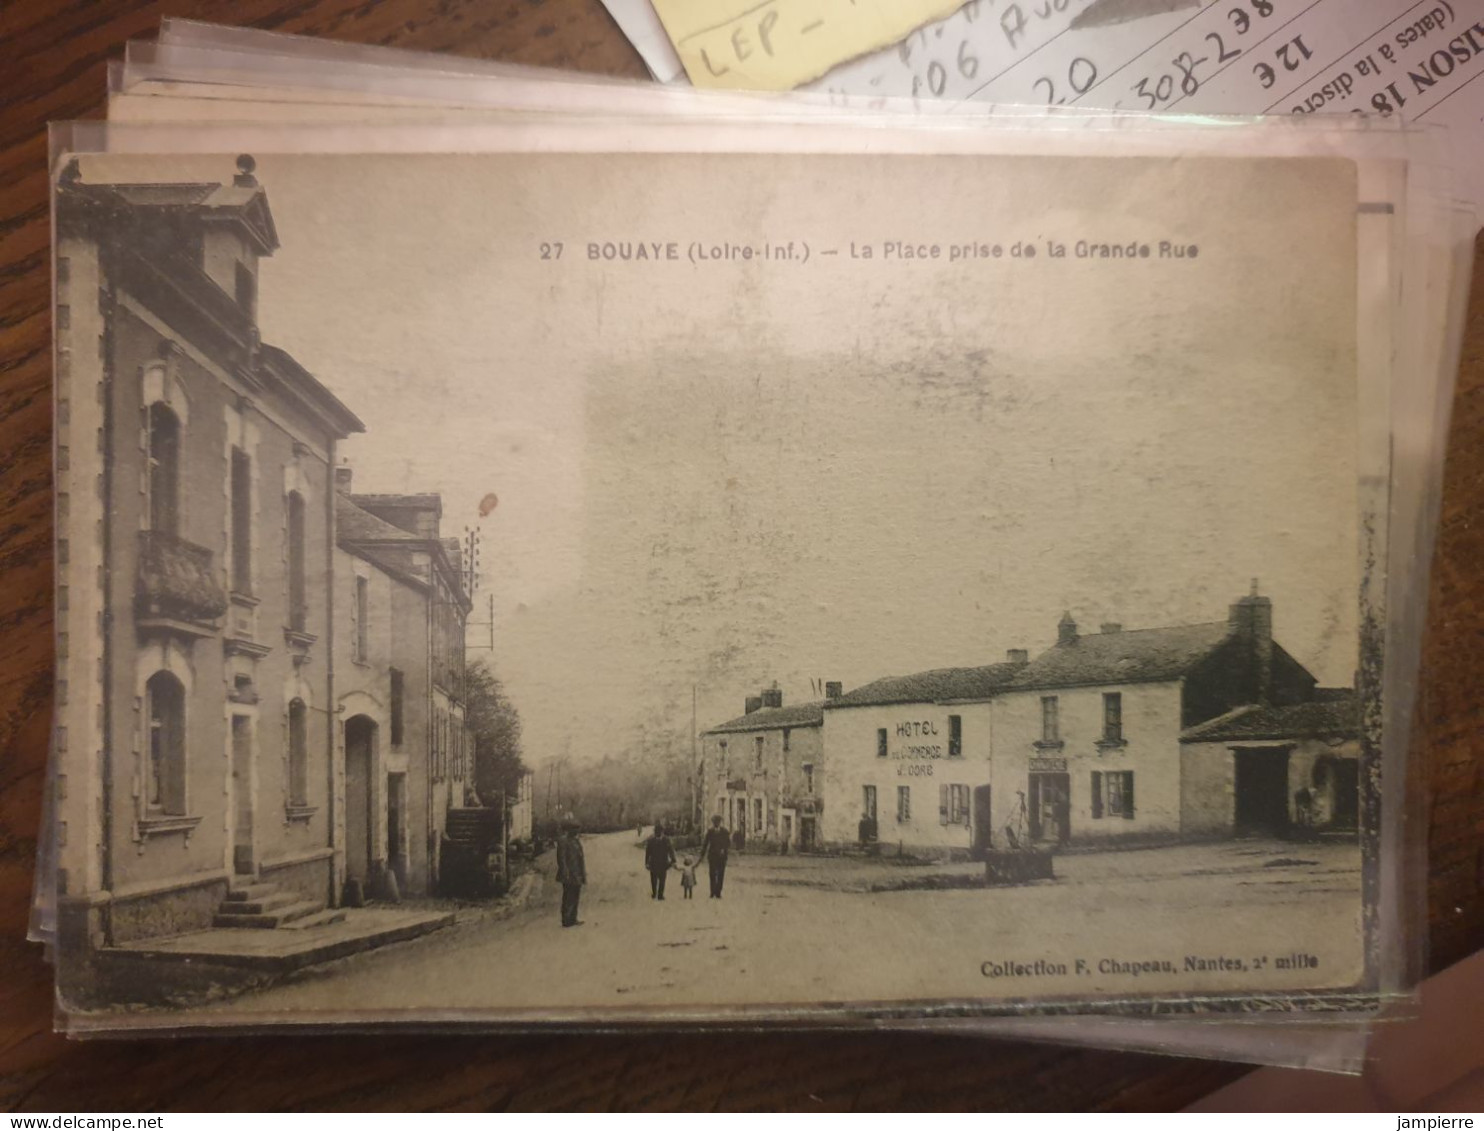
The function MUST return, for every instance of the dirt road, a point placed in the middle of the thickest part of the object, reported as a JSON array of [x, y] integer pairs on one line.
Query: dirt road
[[802, 928]]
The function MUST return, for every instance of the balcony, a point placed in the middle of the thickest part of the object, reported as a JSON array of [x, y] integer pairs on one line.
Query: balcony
[[177, 590]]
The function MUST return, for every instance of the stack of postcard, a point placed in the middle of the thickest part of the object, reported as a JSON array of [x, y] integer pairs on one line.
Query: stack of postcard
[[967, 564]]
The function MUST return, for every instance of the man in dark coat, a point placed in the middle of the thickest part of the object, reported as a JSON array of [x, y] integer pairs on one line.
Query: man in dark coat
[[659, 858], [571, 872], [714, 846]]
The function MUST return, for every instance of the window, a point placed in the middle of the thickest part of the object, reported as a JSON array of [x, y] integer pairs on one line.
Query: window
[[298, 610], [1050, 723], [757, 815], [396, 697], [164, 469], [953, 804], [241, 522], [247, 289], [165, 709], [1113, 794], [955, 736], [361, 611], [757, 753], [881, 742], [808, 777], [298, 753], [868, 801], [785, 740], [1112, 716], [904, 803]]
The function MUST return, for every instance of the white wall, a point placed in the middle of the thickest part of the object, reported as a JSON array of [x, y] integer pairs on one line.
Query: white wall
[[917, 758]]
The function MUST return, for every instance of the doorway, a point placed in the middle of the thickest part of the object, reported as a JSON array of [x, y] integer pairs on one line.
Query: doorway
[[983, 825], [1261, 791], [360, 758], [1050, 806], [1340, 778], [242, 800], [396, 826]]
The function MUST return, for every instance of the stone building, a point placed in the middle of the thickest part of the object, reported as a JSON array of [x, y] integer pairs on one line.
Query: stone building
[[911, 756], [1091, 735], [763, 772], [196, 627], [406, 756]]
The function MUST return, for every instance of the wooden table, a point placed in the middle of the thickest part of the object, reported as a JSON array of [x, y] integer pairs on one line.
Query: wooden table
[[55, 53]]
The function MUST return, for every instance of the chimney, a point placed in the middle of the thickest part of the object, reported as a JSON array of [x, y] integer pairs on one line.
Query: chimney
[[1250, 619], [754, 703], [1018, 656], [833, 689], [343, 476], [1066, 629], [1107, 628], [772, 697]]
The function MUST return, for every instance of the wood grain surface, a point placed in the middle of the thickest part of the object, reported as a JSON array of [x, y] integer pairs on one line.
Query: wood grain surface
[[52, 67]]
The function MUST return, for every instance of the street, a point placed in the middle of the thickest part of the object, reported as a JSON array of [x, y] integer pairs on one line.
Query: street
[[1232, 915]]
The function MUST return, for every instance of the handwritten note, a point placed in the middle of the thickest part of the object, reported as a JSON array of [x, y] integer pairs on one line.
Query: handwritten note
[[773, 45]]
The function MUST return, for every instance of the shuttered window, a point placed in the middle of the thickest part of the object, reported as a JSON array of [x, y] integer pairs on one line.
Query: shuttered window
[[955, 736], [1097, 795]]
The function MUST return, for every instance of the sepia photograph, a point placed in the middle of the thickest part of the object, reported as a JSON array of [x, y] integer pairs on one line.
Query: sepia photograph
[[563, 587]]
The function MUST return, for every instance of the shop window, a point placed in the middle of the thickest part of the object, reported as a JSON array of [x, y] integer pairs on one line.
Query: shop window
[[1050, 720], [955, 736], [398, 684], [165, 709], [164, 469], [241, 522], [298, 578], [881, 742], [1112, 716], [904, 803], [298, 753]]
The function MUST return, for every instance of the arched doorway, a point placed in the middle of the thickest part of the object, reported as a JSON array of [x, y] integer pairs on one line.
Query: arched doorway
[[360, 767]]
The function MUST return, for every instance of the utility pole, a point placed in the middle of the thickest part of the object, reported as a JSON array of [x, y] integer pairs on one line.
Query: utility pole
[[695, 763]]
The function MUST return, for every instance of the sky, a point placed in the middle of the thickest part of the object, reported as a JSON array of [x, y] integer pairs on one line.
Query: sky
[[717, 475]]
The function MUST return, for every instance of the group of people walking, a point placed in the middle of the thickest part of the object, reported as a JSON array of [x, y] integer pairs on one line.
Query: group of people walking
[[659, 860]]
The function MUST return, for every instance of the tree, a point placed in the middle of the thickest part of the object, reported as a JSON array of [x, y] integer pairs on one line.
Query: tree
[[495, 724]]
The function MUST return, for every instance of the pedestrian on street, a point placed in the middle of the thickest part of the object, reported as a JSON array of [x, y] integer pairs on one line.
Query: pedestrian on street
[[714, 847], [659, 858], [688, 877], [571, 872]]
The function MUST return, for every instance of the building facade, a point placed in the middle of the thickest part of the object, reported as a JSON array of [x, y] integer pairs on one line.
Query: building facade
[[1091, 736], [195, 735], [911, 760], [406, 757], [763, 772]]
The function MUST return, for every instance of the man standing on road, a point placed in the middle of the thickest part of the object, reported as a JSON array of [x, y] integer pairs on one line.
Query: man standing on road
[[659, 858], [571, 872], [714, 846]]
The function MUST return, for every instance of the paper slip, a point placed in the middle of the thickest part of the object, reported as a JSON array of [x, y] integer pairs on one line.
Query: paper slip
[[638, 20], [744, 45]]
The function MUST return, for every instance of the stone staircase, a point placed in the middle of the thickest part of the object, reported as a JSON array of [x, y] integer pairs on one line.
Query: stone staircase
[[264, 906]]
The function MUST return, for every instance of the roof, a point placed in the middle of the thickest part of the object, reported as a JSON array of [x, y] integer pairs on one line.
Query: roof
[[1334, 713], [283, 364], [1126, 656], [936, 686], [773, 718], [432, 502], [352, 524]]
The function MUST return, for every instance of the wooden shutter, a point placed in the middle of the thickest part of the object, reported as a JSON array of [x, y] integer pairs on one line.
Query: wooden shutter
[[1128, 795], [1097, 794], [943, 804]]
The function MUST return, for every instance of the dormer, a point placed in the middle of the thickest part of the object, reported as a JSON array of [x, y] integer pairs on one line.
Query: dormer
[[236, 231]]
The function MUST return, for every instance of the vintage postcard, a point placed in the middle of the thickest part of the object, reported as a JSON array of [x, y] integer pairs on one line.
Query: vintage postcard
[[562, 587]]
